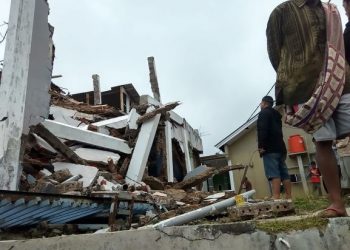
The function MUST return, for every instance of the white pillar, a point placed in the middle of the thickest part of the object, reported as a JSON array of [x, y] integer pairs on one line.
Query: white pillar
[[169, 151], [186, 148], [142, 150], [232, 179], [25, 83], [302, 174], [97, 89]]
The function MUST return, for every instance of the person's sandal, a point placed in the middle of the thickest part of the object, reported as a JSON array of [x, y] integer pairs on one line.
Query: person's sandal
[[331, 212]]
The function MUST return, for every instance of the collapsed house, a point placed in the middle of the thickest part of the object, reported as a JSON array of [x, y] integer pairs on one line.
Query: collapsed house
[[95, 159]]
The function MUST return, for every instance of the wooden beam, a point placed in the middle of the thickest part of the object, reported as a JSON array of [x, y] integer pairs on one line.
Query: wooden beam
[[160, 110], [198, 179]]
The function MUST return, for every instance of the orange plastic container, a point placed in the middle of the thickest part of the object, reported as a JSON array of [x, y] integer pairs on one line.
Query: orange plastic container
[[296, 144]]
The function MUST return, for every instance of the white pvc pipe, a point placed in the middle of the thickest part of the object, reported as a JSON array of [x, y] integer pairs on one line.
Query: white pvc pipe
[[201, 212]]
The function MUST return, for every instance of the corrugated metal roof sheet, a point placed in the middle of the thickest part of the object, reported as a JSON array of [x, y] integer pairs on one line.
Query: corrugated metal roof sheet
[[24, 209]]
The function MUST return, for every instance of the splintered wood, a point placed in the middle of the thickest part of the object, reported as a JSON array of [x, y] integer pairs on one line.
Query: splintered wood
[[198, 179], [160, 110]]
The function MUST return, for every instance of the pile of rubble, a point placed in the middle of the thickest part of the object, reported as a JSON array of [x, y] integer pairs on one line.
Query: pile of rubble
[[93, 150], [83, 148]]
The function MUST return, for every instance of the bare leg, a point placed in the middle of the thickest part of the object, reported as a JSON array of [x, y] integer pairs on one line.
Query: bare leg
[[288, 187], [328, 166], [276, 188]]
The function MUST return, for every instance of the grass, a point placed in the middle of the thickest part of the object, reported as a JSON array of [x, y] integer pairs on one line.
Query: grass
[[309, 205], [291, 225], [303, 206]]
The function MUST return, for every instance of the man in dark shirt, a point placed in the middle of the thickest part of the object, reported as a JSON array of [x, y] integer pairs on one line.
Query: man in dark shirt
[[272, 148]]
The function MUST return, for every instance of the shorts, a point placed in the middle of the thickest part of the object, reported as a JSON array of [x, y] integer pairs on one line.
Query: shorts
[[338, 125], [275, 166]]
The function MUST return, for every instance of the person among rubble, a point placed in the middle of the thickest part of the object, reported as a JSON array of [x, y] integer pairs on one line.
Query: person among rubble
[[315, 178], [272, 148], [298, 33]]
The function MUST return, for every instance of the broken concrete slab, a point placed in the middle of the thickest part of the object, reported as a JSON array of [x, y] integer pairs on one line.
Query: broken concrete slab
[[88, 173], [56, 143], [109, 186], [67, 116], [85, 136], [142, 149], [97, 155], [132, 119], [117, 123]]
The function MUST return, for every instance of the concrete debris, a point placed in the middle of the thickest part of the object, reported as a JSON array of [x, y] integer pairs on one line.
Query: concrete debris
[[147, 154], [97, 155], [88, 173]]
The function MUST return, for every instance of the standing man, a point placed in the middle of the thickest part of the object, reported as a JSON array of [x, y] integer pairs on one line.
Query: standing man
[[272, 148], [297, 36]]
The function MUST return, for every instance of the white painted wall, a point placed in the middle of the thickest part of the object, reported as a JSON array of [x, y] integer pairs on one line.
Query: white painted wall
[[26, 79]]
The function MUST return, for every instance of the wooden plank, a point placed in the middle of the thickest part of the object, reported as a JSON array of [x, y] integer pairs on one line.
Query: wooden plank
[[85, 136]]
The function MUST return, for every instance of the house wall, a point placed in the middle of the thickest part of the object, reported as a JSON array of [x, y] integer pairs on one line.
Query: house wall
[[244, 151]]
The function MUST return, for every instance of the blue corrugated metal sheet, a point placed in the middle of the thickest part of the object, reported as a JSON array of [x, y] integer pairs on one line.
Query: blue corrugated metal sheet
[[24, 209]]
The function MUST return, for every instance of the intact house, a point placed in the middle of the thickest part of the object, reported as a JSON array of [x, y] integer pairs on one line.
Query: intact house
[[122, 97], [240, 147]]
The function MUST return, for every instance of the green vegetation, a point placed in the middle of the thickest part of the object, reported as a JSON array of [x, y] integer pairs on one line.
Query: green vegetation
[[303, 206], [278, 226], [309, 205]]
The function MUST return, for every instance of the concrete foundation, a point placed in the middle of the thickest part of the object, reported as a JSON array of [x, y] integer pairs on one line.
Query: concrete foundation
[[224, 236]]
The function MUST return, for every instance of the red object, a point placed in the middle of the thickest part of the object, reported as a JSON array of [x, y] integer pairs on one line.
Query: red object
[[296, 144], [315, 175]]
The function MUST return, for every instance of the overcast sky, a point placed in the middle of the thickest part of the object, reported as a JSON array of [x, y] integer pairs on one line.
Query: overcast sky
[[210, 55]]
